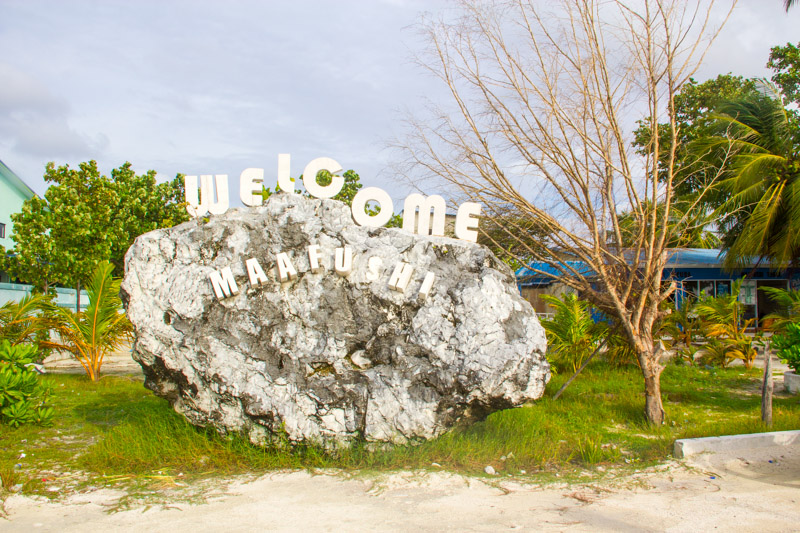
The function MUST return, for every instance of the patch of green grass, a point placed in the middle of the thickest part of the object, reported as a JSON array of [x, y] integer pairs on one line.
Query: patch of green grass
[[117, 430]]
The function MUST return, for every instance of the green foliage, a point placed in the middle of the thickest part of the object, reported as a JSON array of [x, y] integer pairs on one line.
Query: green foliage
[[143, 205], [687, 223], [785, 62], [22, 396], [511, 237], [619, 351], [684, 327], [788, 307], [25, 321], [85, 218], [115, 430], [103, 327], [693, 106], [572, 334], [761, 216], [723, 325], [787, 343]]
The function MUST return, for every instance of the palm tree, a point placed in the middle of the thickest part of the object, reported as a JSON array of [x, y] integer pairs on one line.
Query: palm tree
[[761, 217], [101, 328], [787, 4]]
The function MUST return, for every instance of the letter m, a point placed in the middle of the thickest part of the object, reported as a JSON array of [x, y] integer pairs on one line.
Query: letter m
[[223, 282], [432, 211]]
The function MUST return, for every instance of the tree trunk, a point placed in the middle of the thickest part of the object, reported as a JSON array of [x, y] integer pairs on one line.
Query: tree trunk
[[653, 408], [651, 371], [78, 298]]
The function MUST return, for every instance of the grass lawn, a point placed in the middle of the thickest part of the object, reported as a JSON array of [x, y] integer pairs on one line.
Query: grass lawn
[[117, 431]]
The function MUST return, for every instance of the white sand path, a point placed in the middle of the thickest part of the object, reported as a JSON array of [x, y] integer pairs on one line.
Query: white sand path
[[742, 491]]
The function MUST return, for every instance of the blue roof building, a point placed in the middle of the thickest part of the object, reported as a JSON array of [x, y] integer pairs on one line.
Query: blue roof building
[[696, 271]]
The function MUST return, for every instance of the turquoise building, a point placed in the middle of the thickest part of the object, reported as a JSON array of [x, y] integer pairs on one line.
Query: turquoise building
[[13, 193]]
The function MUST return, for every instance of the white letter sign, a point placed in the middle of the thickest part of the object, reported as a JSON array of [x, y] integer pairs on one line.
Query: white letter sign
[[310, 178], [255, 272], [360, 201], [286, 270], [343, 261], [401, 277], [433, 203], [224, 283], [249, 184], [201, 203], [314, 256], [467, 221]]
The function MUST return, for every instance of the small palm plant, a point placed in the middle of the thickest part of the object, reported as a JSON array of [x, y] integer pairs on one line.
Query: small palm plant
[[102, 327], [788, 312], [683, 326], [572, 335], [25, 321], [723, 324]]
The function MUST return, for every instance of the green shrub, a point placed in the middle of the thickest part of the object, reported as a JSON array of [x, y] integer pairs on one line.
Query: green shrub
[[572, 335], [787, 343], [684, 327], [22, 396], [722, 324], [27, 321]]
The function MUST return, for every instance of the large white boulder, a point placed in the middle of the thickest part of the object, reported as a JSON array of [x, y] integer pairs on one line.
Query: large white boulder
[[328, 357]]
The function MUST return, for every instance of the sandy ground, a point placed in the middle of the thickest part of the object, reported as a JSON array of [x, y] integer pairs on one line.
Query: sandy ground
[[751, 490]]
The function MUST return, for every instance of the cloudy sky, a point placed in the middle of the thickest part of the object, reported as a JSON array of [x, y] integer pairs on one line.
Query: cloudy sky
[[205, 87]]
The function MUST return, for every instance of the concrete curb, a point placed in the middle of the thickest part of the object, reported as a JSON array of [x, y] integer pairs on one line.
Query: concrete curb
[[728, 443]]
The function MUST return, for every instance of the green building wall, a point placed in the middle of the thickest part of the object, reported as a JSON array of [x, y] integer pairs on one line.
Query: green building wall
[[13, 193]]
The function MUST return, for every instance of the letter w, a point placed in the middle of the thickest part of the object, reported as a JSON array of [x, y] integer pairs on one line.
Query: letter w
[[200, 202]]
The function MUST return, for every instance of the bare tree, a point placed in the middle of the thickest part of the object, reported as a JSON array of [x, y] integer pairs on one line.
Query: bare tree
[[544, 101]]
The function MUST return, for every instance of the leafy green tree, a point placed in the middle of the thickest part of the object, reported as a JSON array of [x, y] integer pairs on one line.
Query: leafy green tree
[[688, 225], [85, 218], [788, 311], [693, 107], [143, 205], [785, 61], [75, 217], [33, 257]]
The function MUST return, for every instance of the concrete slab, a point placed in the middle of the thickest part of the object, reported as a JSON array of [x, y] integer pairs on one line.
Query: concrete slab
[[728, 443]]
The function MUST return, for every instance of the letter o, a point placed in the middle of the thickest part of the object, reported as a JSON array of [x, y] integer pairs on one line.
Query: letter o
[[360, 203], [310, 178]]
